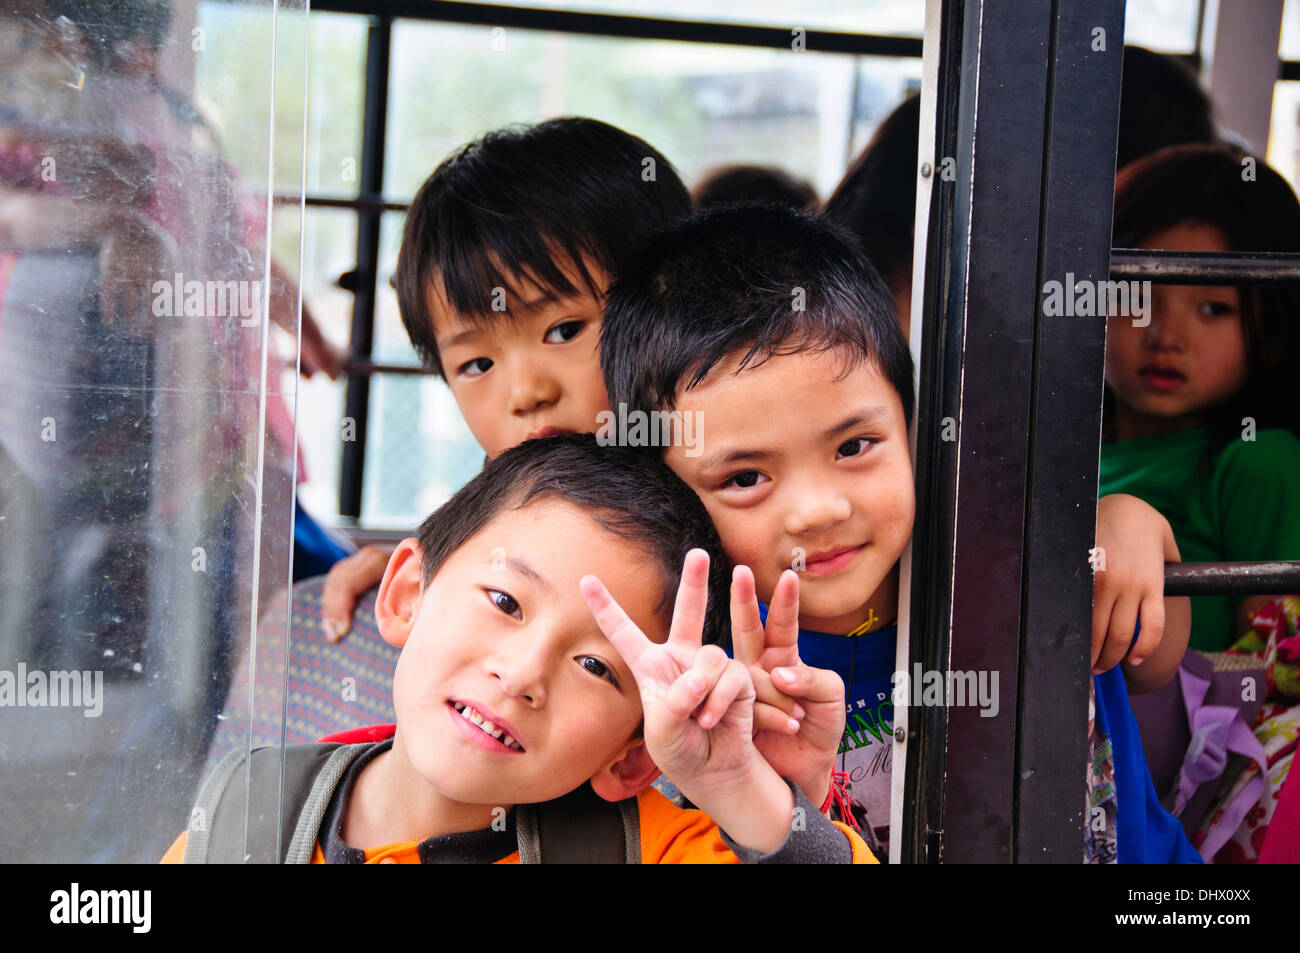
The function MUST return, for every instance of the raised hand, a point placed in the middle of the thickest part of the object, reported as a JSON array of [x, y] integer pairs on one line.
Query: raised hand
[[799, 715], [699, 711]]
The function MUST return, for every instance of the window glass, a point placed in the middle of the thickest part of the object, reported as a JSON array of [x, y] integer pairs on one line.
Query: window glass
[[701, 105], [883, 17], [145, 528], [1165, 25]]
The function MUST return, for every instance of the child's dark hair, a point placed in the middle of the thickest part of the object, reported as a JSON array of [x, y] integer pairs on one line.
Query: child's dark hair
[[876, 200], [1256, 211], [522, 201], [729, 184], [731, 281], [638, 500]]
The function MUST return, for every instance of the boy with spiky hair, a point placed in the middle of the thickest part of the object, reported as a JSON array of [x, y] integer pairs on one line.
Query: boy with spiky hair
[[771, 326]]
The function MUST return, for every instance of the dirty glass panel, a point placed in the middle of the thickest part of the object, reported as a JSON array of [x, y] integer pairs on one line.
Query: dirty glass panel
[[146, 432]]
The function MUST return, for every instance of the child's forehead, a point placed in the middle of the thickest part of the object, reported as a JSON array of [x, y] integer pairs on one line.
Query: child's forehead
[[741, 372], [500, 293]]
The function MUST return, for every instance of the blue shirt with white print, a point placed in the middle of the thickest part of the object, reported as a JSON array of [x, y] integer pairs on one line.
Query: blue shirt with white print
[[866, 664]]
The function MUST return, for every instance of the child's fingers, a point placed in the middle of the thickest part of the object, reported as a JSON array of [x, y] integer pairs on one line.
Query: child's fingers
[[767, 718], [767, 693], [1119, 635], [746, 624], [687, 627], [732, 685], [629, 641], [689, 690], [1103, 602], [813, 685], [345, 582], [782, 632], [1152, 630]]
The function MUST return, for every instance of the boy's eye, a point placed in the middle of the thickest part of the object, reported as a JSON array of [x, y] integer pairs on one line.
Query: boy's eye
[[598, 668], [745, 480], [476, 367], [856, 447], [505, 602], [564, 331]]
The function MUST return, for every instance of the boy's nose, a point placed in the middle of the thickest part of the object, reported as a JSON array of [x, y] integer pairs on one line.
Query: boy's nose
[[814, 508], [531, 387], [520, 670]]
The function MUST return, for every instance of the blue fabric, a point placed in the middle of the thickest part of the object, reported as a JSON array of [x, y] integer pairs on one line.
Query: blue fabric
[[866, 664], [314, 550], [1148, 834], [868, 673]]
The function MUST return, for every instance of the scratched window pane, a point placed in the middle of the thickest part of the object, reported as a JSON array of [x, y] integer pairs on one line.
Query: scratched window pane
[[143, 523]]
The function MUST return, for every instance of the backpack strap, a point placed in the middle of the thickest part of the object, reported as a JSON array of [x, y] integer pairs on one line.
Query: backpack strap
[[224, 806], [580, 828]]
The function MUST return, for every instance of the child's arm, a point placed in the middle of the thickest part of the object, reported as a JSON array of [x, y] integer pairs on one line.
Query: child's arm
[[699, 714], [1137, 542], [799, 714]]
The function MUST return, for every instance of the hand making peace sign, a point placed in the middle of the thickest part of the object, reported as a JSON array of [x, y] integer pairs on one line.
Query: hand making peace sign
[[784, 684], [699, 704]]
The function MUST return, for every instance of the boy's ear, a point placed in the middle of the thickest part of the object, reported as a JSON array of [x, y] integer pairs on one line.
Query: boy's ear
[[399, 593], [627, 775]]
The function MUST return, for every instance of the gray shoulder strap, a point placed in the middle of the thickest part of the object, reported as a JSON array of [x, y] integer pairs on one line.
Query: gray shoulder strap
[[579, 828], [303, 844], [205, 807], [232, 798]]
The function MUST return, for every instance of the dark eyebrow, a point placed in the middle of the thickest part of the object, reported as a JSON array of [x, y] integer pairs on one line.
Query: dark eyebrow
[[521, 568], [458, 338], [538, 303], [869, 417], [724, 458]]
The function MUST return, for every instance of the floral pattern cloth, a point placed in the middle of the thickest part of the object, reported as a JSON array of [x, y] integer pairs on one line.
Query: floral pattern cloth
[[1274, 638], [1100, 842]]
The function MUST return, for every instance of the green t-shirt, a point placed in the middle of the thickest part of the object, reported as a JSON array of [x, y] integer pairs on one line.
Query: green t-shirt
[[1244, 505]]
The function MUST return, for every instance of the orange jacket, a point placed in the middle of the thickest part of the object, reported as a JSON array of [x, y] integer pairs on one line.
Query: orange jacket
[[669, 835]]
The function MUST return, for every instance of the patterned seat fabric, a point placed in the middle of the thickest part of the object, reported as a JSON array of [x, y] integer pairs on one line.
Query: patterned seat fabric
[[331, 686]]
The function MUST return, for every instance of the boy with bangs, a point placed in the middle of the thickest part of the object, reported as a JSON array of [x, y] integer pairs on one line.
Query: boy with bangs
[[529, 692], [506, 254], [772, 325]]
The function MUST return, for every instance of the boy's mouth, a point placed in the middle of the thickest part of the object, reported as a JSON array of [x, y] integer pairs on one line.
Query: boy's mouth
[[481, 729]]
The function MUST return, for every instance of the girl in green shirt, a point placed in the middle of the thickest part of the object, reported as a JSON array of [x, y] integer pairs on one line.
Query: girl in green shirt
[[1199, 420]]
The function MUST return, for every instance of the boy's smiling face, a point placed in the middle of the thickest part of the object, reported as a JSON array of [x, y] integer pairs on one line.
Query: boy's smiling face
[[803, 464], [535, 372], [502, 634]]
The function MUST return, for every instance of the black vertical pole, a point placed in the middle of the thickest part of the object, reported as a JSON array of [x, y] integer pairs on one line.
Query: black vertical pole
[[1006, 510], [1065, 432], [357, 394]]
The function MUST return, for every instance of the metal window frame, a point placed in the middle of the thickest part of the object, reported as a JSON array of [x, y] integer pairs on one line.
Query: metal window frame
[[1032, 128]]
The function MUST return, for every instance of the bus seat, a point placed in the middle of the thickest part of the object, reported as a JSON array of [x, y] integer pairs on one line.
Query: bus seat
[[331, 685]]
